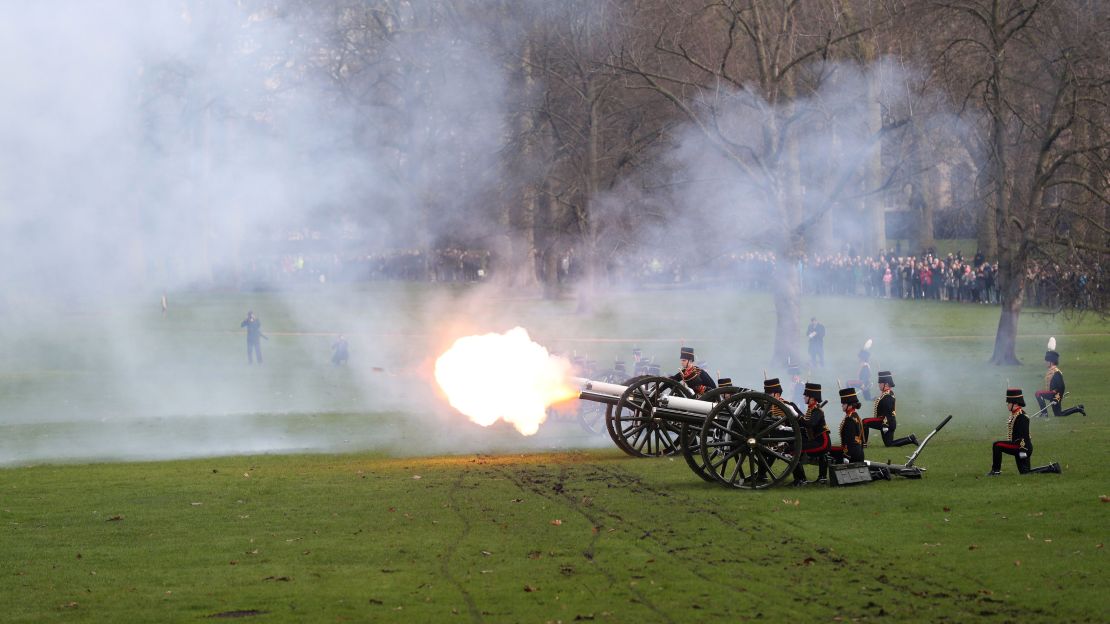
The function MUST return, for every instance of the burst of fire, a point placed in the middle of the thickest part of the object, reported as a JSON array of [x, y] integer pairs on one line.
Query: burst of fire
[[504, 376]]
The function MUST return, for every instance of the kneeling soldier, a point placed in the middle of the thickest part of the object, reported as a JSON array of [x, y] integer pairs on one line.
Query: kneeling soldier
[[884, 419], [1054, 388], [1018, 442], [851, 429], [815, 435]]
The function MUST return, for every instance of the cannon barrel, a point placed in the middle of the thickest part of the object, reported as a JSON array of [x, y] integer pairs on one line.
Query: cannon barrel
[[682, 404], [610, 393]]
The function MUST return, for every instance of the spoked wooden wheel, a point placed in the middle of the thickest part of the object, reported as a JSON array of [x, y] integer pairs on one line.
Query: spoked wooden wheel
[[592, 415], [636, 428], [748, 441], [610, 412], [691, 435]]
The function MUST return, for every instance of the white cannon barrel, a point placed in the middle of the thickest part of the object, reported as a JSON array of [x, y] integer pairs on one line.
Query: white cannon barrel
[[601, 387], [686, 405]]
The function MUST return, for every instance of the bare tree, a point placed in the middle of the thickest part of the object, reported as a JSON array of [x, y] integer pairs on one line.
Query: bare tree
[[768, 59], [1035, 79]]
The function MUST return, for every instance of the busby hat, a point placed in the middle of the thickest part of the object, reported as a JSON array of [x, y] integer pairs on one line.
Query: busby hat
[[636, 351], [771, 386], [886, 377], [848, 396], [865, 352], [687, 353], [1052, 356], [793, 369], [724, 381], [1013, 395], [813, 391]]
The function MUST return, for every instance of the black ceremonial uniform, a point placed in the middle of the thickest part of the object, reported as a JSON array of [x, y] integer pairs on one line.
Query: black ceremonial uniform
[[698, 380], [816, 442], [1017, 442], [851, 429], [884, 418], [851, 439]]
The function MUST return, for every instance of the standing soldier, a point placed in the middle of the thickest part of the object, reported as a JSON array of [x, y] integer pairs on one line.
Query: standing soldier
[[851, 429], [695, 378], [798, 391], [1053, 393], [815, 436], [884, 416], [863, 377], [340, 351], [254, 334], [1017, 442]]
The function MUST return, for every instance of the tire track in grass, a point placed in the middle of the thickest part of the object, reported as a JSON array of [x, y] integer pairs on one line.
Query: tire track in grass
[[449, 554], [899, 583], [534, 481]]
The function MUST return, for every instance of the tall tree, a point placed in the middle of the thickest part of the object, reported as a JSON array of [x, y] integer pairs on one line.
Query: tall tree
[[750, 75]]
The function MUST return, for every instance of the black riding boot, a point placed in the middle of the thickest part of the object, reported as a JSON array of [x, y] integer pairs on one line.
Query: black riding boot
[[911, 439], [1053, 468]]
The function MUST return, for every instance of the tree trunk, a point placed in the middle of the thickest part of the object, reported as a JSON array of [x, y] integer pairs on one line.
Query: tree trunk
[[1005, 340], [787, 297]]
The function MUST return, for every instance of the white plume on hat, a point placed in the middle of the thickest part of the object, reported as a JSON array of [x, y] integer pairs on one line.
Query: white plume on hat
[[1052, 343], [867, 345]]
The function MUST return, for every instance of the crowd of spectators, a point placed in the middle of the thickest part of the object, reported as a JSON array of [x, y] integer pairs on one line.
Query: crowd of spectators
[[889, 276], [928, 276]]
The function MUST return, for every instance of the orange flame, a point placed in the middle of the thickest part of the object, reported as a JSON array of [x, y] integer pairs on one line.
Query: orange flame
[[504, 376]]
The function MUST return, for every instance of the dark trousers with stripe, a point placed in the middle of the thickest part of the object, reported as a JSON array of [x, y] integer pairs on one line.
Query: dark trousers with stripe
[[888, 432], [818, 447], [1010, 448]]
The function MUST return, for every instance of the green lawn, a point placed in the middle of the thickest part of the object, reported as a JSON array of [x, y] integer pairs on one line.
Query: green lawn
[[316, 493]]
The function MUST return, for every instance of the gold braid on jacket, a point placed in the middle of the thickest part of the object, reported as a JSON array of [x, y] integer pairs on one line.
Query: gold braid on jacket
[[690, 373], [1010, 427], [1052, 370], [859, 428], [808, 418], [875, 413]]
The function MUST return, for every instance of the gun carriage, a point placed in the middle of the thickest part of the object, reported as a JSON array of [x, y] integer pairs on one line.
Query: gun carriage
[[734, 436]]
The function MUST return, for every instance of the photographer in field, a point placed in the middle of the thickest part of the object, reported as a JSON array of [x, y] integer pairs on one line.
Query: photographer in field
[[254, 336]]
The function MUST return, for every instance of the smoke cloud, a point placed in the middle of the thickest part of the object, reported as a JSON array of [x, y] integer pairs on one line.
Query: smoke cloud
[[164, 147]]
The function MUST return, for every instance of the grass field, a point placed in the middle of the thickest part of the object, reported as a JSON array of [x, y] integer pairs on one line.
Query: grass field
[[298, 491]]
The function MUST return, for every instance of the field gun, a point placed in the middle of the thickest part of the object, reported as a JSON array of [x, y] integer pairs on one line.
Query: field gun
[[730, 435]]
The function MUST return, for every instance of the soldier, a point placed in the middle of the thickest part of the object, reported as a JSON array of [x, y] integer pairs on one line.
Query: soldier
[[254, 336], [851, 429], [1053, 392], [1017, 442], [695, 378], [639, 364], [798, 391], [815, 436], [884, 419], [620, 371], [863, 378], [816, 334], [340, 351], [774, 388]]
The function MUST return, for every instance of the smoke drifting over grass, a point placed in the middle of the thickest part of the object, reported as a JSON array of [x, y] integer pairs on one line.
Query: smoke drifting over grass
[[159, 147]]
